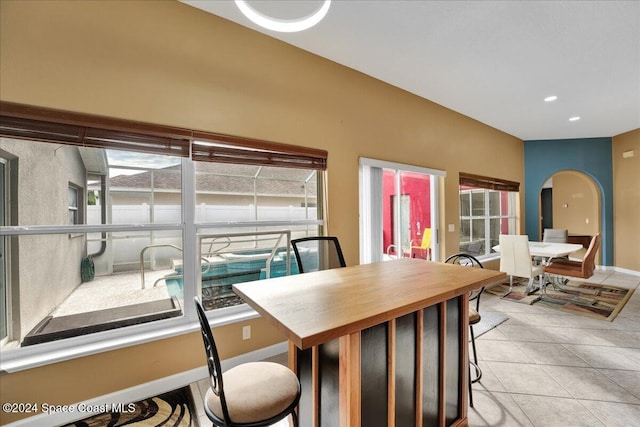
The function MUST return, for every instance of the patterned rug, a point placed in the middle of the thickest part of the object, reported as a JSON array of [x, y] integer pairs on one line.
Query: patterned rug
[[602, 302], [172, 409]]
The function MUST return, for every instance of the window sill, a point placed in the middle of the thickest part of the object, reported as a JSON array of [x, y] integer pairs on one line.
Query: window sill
[[24, 358]]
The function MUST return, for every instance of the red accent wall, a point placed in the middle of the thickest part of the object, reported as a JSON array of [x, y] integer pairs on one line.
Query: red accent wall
[[418, 188]]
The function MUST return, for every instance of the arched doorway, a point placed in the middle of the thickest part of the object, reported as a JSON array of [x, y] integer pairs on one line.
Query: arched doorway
[[571, 200]]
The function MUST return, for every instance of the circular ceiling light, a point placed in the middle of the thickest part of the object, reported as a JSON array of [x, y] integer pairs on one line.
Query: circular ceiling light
[[574, 118], [550, 98], [283, 25]]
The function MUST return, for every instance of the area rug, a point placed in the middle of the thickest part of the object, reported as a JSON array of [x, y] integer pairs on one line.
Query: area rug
[[172, 409], [602, 302]]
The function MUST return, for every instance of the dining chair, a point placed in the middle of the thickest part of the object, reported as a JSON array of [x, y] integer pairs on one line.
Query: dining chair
[[552, 235], [318, 253], [254, 394], [474, 313], [563, 268], [555, 235], [515, 260]]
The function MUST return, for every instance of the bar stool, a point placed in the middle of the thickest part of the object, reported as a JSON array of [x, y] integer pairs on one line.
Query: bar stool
[[474, 314], [256, 394]]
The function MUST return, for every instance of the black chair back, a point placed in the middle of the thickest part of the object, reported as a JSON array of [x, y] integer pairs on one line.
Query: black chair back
[[213, 360], [318, 253], [468, 261]]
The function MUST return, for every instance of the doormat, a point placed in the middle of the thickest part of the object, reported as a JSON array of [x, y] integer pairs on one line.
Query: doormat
[[173, 409], [602, 302]]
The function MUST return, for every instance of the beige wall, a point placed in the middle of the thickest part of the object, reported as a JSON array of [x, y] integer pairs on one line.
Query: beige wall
[[167, 63], [44, 172], [626, 201], [576, 203]]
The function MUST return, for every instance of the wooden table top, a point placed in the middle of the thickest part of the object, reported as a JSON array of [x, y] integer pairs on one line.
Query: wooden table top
[[314, 308]]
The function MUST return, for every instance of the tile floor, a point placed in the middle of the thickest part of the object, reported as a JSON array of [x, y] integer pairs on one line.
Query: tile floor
[[545, 368]]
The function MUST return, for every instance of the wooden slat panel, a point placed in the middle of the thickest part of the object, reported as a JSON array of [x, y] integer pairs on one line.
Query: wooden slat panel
[[464, 357], [391, 380], [405, 370], [315, 393], [373, 370], [329, 383], [442, 410], [432, 359], [306, 407], [454, 350], [350, 378], [419, 366]]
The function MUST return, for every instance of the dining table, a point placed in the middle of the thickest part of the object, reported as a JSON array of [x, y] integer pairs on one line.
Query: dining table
[[381, 344], [549, 250]]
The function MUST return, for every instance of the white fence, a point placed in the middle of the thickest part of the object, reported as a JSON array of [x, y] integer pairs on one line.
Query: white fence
[[123, 248]]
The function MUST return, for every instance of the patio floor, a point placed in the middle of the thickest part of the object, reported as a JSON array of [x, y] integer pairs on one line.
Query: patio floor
[[116, 290]]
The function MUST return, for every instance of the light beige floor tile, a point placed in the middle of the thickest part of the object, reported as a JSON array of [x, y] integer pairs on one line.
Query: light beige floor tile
[[629, 380], [494, 334], [547, 411], [601, 337], [621, 279], [625, 324], [614, 414], [527, 379], [501, 351], [506, 306], [605, 357], [580, 322], [588, 383], [551, 354], [525, 333], [489, 381], [496, 410], [599, 276], [633, 354]]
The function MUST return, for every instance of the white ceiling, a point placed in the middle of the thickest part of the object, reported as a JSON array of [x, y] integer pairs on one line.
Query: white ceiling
[[494, 61]]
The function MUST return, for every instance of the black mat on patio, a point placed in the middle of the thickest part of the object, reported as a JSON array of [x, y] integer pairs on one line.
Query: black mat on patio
[[55, 328]]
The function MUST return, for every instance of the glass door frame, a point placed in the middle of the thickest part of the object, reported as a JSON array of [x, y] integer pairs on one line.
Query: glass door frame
[[370, 204]]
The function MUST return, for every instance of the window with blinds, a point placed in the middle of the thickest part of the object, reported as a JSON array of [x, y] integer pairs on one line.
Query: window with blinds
[[132, 207], [487, 209]]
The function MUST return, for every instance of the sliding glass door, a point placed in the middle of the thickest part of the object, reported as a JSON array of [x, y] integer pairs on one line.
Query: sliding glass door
[[398, 211]]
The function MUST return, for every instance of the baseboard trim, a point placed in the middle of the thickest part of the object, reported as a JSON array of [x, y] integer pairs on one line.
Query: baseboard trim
[[143, 391], [618, 270]]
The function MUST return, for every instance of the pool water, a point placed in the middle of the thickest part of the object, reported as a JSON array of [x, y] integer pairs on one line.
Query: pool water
[[218, 277]]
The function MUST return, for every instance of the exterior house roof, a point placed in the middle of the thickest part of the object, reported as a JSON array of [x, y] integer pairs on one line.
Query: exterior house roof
[[222, 178]]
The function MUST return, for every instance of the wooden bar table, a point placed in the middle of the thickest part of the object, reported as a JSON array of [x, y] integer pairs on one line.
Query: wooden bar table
[[381, 344]]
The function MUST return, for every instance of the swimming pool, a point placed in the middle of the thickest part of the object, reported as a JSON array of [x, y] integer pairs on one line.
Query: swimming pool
[[224, 270]]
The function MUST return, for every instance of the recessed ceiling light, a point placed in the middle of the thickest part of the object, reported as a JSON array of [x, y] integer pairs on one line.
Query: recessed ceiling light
[[550, 98], [574, 118], [283, 25]]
